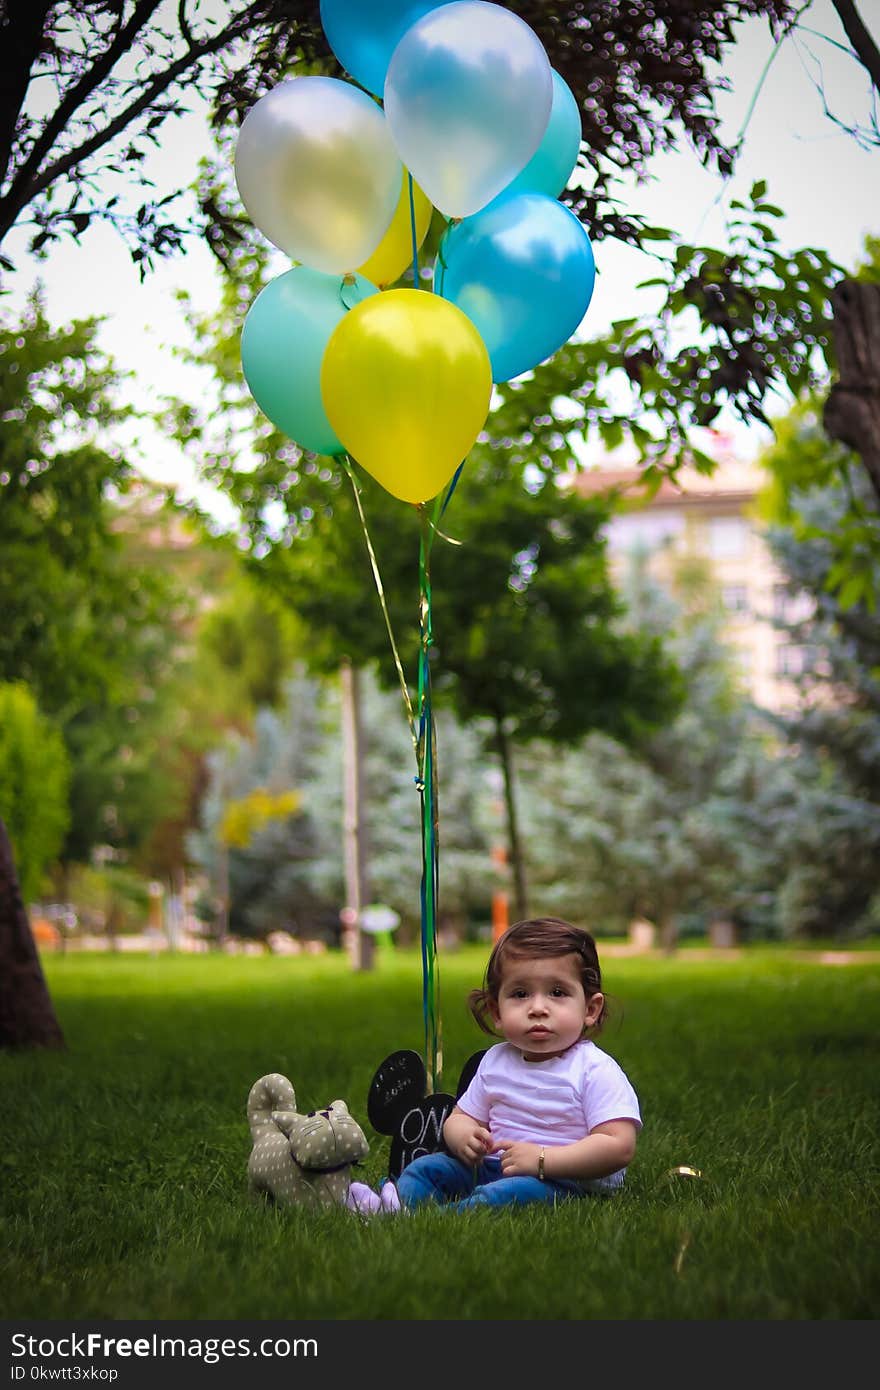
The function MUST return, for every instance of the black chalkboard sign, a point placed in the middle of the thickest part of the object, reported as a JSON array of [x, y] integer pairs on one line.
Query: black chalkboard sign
[[397, 1105]]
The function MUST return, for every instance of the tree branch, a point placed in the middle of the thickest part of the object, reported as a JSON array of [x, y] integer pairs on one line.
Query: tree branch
[[21, 34], [23, 191], [183, 22], [860, 38], [83, 89]]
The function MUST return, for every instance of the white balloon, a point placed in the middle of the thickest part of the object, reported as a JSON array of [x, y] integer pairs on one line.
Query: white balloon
[[467, 97], [318, 172]]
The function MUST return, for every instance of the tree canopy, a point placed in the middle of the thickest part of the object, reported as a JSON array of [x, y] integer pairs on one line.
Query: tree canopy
[[642, 76], [645, 78], [89, 624]]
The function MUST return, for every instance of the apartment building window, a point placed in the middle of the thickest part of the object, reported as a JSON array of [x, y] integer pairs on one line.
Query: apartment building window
[[642, 531], [735, 598], [790, 659], [728, 537]]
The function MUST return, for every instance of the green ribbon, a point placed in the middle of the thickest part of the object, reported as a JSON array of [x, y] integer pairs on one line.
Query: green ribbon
[[425, 744], [427, 784], [426, 757], [413, 233]]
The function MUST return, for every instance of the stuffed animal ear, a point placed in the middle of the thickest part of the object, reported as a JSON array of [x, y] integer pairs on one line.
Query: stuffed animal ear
[[469, 1071], [399, 1081], [339, 1106], [284, 1119]]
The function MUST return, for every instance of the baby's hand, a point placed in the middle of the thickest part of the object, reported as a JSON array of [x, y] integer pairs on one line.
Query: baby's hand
[[470, 1143], [518, 1159]]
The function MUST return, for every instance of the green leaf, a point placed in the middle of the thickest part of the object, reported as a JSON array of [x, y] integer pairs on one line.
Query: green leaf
[[851, 591]]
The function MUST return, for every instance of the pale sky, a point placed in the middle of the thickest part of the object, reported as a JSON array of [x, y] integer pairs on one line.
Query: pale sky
[[828, 185]]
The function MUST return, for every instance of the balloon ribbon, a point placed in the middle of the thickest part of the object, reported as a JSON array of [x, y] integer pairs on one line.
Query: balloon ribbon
[[425, 744], [427, 785], [380, 590]]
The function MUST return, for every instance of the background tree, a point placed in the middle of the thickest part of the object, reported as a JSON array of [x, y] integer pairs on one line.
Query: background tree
[[527, 630], [620, 833], [93, 615], [34, 779], [811, 453], [834, 885], [250, 641], [234, 647], [83, 629], [288, 875], [260, 881], [770, 820]]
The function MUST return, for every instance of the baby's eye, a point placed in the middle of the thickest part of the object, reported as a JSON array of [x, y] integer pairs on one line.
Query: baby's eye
[[559, 991], [517, 994]]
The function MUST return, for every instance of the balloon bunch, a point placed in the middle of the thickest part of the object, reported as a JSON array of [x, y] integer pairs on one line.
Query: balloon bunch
[[457, 109], [466, 116]]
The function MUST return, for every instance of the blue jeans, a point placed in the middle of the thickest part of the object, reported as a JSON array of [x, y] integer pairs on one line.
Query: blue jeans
[[439, 1177]]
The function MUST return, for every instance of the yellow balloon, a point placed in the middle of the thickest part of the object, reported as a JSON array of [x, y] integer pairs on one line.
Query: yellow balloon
[[395, 251], [406, 383]]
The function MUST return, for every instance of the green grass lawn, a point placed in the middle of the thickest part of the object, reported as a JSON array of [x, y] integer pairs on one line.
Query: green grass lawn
[[123, 1159]]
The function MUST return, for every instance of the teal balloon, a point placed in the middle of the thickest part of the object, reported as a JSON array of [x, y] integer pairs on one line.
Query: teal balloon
[[363, 34], [285, 333], [523, 272], [551, 166]]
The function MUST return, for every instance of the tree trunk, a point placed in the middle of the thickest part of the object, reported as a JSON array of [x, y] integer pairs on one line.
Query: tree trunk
[[852, 411], [27, 1018], [668, 933], [362, 945], [221, 914], [517, 860]]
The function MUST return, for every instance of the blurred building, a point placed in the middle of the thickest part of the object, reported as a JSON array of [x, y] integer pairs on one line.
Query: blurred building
[[713, 519]]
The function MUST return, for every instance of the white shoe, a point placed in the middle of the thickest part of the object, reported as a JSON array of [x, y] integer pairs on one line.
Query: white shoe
[[363, 1199], [390, 1198]]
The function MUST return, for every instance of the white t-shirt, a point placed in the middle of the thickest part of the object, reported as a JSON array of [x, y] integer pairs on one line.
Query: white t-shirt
[[554, 1101]]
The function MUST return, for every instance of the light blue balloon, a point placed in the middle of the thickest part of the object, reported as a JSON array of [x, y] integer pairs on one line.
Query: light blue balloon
[[285, 333], [467, 100], [364, 33], [523, 272], [550, 167]]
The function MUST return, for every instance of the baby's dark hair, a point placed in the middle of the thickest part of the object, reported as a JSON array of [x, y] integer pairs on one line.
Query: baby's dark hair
[[538, 936]]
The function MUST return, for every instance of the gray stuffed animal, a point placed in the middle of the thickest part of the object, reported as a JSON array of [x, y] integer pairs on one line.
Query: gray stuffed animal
[[300, 1158]]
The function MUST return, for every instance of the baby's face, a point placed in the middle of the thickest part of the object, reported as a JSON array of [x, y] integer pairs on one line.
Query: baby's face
[[542, 1008]]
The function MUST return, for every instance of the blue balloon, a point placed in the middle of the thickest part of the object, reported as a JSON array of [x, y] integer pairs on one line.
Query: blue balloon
[[523, 272], [550, 167], [364, 33], [285, 333]]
